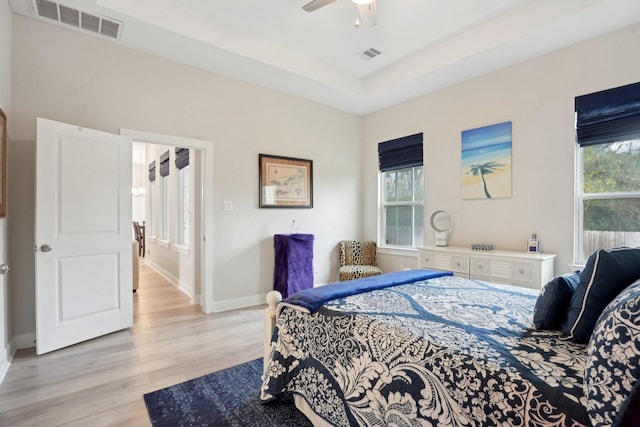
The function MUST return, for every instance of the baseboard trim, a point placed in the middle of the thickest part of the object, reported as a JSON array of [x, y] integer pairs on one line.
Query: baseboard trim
[[27, 340], [5, 362], [16, 343], [164, 273], [175, 281], [186, 289], [238, 303]]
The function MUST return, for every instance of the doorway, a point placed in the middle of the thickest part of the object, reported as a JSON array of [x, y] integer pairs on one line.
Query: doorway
[[201, 245]]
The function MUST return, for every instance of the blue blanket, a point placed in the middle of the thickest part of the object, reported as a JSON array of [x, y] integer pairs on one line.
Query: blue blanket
[[312, 299]]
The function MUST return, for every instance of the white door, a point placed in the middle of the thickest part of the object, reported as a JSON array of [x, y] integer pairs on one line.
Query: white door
[[83, 235]]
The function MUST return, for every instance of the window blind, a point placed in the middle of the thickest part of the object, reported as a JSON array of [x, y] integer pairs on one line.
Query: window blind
[[164, 163], [152, 171], [608, 116], [400, 153], [182, 157]]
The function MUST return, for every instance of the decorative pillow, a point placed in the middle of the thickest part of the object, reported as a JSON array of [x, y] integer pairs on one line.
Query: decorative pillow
[[606, 273], [612, 367], [553, 301], [629, 413]]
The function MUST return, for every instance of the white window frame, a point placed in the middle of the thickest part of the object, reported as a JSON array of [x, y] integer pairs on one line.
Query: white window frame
[[184, 214], [165, 208], [149, 213], [382, 238], [579, 256]]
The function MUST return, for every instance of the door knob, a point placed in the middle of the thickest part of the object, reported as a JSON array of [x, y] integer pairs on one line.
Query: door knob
[[46, 248], [4, 268]]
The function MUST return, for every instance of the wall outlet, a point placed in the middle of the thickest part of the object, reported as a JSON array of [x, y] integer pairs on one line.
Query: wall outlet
[[227, 205]]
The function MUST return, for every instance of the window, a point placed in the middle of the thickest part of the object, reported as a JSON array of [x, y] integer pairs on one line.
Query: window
[[164, 173], [150, 210], [150, 223], [184, 208], [165, 208], [402, 191], [608, 172], [402, 207]]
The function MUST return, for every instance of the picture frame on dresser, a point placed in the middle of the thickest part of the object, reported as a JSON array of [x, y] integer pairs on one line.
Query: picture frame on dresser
[[285, 182], [3, 164]]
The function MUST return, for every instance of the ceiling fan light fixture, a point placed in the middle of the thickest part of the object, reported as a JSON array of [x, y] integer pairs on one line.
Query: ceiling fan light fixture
[[362, 1]]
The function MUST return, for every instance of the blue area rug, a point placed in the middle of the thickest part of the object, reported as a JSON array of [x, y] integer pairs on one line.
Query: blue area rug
[[225, 398]]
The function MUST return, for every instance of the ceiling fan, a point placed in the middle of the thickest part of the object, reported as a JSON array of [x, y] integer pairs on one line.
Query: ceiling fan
[[365, 11]]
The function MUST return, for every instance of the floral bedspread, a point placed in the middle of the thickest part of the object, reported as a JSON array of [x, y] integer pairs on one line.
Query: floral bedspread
[[440, 352]]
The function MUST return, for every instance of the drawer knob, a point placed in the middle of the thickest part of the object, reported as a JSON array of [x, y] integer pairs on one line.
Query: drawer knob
[[458, 264], [480, 267], [521, 271]]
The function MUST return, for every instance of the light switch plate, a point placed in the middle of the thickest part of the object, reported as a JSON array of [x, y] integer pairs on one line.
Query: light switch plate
[[227, 205]]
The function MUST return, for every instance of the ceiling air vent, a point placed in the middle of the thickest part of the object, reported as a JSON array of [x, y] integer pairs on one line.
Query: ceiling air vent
[[78, 19], [369, 53]]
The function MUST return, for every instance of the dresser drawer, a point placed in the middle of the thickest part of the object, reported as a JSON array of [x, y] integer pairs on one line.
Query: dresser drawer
[[480, 267], [531, 270], [505, 270], [524, 272], [457, 264]]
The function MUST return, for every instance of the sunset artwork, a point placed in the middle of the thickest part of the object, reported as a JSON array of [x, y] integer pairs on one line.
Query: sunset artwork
[[486, 162]]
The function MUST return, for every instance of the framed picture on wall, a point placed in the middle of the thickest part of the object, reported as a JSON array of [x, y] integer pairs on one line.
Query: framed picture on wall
[[486, 162], [285, 182], [3, 164]]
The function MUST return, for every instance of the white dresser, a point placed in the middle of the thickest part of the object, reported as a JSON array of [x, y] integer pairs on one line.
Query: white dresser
[[529, 270]]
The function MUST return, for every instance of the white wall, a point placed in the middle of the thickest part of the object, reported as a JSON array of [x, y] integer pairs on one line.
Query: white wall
[[72, 78], [5, 104], [538, 97]]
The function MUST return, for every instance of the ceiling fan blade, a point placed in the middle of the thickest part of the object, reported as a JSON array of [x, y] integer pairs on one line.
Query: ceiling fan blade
[[316, 4], [367, 15]]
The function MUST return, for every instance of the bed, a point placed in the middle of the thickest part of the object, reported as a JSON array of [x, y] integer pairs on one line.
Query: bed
[[422, 348]]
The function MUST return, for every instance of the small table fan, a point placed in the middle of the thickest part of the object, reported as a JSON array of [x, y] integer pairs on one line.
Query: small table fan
[[441, 222]]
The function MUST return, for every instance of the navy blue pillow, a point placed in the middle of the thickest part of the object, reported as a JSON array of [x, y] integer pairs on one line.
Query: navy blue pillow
[[612, 366], [605, 275], [554, 300]]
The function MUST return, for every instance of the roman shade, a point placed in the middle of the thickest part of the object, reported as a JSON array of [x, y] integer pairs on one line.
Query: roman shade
[[164, 163], [401, 153], [182, 157], [152, 171], [608, 116]]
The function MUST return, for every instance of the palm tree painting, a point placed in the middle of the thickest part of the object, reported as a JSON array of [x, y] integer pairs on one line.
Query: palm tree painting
[[486, 162]]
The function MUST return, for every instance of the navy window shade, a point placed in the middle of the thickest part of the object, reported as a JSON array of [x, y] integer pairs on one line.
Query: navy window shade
[[164, 163], [608, 116], [152, 171], [182, 157], [401, 153]]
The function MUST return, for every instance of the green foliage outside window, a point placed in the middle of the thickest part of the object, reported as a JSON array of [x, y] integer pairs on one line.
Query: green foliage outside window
[[612, 168], [403, 195]]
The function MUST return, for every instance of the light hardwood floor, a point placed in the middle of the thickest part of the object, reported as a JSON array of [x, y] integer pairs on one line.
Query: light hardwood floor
[[101, 382]]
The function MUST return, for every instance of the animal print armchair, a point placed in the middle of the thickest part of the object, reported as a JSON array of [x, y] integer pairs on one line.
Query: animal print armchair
[[358, 259]]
